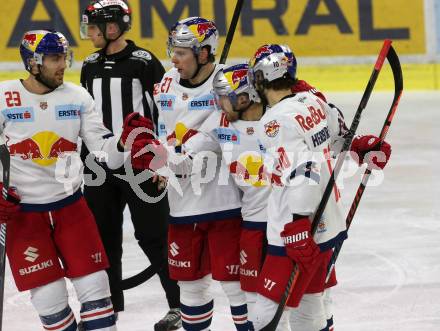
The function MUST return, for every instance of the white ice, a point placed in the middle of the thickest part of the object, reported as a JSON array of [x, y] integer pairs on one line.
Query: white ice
[[389, 269]]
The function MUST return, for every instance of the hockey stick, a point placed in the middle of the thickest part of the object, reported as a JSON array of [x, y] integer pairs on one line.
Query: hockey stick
[[6, 164], [393, 59], [151, 270], [231, 31], [328, 190], [140, 278]]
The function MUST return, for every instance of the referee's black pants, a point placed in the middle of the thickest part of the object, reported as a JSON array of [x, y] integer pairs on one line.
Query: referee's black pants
[[107, 203]]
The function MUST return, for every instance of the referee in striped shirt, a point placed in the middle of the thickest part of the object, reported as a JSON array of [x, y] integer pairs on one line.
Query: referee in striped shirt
[[120, 77]]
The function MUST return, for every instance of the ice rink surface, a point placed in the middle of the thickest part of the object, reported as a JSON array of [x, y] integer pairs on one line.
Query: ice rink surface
[[389, 269]]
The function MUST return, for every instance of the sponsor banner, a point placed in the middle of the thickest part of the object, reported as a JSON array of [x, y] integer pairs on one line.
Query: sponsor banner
[[311, 27]]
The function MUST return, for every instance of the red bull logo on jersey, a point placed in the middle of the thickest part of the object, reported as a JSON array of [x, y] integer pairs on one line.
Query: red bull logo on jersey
[[43, 148], [205, 102], [248, 169], [180, 134], [19, 114], [225, 135], [272, 128], [309, 122], [68, 112]]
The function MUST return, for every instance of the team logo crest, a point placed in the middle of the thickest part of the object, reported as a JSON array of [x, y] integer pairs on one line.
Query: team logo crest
[[272, 128], [142, 54], [184, 96], [322, 227], [92, 57], [250, 131], [43, 105]]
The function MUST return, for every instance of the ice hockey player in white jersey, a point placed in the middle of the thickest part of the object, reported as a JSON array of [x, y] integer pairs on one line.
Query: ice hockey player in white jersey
[[205, 218], [51, 233], [231, 131], [233, 127], [298, 133]]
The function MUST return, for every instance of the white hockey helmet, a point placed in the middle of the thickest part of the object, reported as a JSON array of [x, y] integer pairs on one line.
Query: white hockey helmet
[[194, 33], [272, 62], [232, 81]]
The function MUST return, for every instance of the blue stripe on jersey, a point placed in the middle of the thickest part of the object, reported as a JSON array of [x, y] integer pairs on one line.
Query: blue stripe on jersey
[[306, 170], [276, 250], [254, 225], [333, 242], [208, 217], [330, 323], [52, 205], [325, 329]]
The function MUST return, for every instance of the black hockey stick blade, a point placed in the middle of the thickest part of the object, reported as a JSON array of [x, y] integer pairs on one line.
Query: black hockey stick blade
[[231, 31], [5, 160], [328, 190], [393, 59], [139, 278]]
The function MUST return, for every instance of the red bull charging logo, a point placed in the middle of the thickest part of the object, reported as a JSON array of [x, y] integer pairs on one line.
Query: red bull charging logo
[[272, 128], [43, 148], [249, 168], [263, 50], [31, 40], [236, 78], [202, 30]]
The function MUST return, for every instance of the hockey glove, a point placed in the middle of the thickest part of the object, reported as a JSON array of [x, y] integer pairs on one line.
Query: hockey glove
[[134, 121], [299, 243], [148, 154], [363, 145], [10, 206]]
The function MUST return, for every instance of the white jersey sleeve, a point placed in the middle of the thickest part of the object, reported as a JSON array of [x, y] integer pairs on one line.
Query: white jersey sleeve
[[206, 137], [96, 136], [336, 125]]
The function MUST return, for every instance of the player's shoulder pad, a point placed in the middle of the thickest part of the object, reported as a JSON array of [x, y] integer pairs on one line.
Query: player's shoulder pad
[[142, 54], [92, 58]]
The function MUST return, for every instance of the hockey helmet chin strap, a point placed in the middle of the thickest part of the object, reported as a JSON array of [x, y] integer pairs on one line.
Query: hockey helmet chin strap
[[102, 28]]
